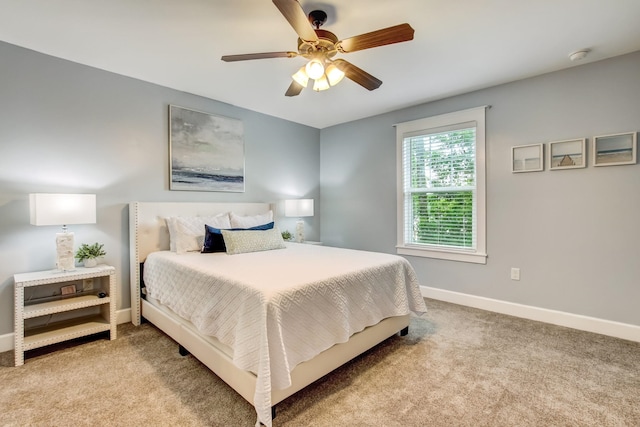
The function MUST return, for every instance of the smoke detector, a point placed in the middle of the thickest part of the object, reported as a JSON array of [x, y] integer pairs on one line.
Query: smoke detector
[[579, 54]]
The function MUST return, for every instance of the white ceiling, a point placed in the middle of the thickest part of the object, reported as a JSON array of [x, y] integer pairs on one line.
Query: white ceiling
[[459, 46]]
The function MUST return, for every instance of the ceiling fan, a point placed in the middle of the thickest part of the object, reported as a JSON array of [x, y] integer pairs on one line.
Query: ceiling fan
[[320, 46]]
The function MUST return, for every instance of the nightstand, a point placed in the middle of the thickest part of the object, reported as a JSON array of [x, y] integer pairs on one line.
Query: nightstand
[[54, 306]]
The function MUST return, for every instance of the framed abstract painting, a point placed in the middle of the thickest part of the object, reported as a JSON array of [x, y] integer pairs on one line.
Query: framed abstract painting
[[206, 152]]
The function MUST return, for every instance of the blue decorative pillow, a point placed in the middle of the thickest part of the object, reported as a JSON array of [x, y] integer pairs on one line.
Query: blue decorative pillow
[[214, 242]]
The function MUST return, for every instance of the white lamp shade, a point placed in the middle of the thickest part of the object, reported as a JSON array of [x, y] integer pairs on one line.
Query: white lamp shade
[[334, 74], [314, 68], [62, 209], [301, 77], [298, 208], [321, 83]]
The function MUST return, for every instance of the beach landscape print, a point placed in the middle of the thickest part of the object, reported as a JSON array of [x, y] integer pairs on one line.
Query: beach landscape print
[[567, 154], [610, 150], [527, 158], [206, 151]]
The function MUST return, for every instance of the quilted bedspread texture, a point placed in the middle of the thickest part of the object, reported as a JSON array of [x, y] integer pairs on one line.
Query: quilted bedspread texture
[[279, 308]]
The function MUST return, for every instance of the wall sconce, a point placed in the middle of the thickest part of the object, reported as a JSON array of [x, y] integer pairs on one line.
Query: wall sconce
[[63, 209], [299, 208]]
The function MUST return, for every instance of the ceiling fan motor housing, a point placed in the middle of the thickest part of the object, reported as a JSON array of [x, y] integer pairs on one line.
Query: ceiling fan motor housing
[[326, 44]]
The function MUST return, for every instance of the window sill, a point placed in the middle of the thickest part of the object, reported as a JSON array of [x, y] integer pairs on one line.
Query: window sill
[[475, 258]]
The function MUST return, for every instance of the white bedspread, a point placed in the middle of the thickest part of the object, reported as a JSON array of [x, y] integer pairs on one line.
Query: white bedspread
[[279, 308]]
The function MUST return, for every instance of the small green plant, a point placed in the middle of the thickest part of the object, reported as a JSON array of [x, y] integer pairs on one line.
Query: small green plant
[[286, 235], [90, 251]]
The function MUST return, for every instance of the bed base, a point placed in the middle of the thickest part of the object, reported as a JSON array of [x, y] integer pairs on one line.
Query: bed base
[[148, 233], [244, 382], [184, 352]]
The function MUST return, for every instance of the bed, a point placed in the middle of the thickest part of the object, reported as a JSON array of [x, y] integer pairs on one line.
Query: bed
[[253, 330]]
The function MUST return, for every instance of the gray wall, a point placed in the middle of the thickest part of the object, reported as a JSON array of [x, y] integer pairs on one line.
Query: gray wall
[[65, 127], [573, 233], [69, 128]]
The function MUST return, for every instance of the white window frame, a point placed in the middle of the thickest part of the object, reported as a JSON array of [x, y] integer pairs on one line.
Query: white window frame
[[479, 254]]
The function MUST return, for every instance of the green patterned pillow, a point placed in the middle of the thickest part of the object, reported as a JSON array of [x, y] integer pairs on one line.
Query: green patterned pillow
[[243, 241]]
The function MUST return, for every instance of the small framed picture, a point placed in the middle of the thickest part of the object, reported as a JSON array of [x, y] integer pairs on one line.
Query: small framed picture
[[527, 158], [612, 150], [68, 290], [567, 154]]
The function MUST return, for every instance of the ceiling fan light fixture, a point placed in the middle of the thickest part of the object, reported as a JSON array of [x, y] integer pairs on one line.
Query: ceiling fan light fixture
[[301, 77], [315, 69], [319, 46], [334, 74], [321, 83]]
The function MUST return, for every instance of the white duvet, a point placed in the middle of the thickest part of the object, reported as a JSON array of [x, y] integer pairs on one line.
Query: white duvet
[[279, 308]]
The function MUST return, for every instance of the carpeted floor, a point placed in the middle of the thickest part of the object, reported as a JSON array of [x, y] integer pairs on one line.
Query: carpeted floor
[[457, 367]]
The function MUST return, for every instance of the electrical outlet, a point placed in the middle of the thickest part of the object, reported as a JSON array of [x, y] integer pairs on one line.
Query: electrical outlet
[[87, 284], [515, 273]]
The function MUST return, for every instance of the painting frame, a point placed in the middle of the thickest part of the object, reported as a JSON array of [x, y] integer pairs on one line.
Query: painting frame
[[527, 158], [614, 149], [206, 151], [567, 154]]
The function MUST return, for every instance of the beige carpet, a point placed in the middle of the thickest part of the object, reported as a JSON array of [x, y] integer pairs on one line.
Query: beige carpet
[[458, 367]]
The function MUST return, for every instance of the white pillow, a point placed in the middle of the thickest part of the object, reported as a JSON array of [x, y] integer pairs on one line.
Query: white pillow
[[239, 221], [186, 233], [243, 241]]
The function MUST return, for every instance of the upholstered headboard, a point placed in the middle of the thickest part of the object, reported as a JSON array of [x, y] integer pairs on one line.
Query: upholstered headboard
[[148, 232]]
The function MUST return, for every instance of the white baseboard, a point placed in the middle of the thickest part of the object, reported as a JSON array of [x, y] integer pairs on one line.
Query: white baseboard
[[123, 316], [6, 340], [560, 318]]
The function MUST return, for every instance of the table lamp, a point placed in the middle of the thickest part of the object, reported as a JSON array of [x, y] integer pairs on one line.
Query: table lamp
[[299, 208], [63, 209]]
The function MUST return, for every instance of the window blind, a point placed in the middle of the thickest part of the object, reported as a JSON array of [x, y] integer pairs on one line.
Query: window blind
[[440, 187]]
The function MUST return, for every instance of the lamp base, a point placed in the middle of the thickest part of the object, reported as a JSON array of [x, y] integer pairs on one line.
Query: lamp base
[[64, 252], [300, 231]]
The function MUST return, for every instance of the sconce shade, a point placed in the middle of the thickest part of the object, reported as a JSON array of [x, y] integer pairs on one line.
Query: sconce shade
[[298, 208], [314, 68], [301, 77], [334, 74], [321, 84], [62, 209]]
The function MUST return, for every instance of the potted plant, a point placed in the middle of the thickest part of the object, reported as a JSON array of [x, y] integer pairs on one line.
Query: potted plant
[[286, 235], [87, 254]]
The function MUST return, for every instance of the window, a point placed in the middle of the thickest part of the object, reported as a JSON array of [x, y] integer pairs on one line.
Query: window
[[441, 187]]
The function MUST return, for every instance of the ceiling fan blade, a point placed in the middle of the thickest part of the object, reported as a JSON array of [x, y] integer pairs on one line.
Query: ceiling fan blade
[[264, 55], [293, 13], [294, 89], [358, 75], [396, 34]]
